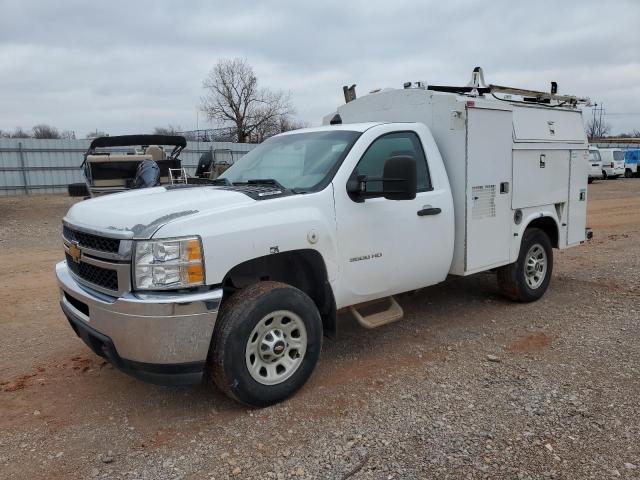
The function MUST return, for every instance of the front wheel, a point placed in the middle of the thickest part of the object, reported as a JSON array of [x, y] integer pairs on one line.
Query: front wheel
[[266, 343], [527, 279]]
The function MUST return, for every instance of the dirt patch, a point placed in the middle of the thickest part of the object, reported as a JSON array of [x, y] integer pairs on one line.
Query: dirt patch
[[17, 384], [534, 342]]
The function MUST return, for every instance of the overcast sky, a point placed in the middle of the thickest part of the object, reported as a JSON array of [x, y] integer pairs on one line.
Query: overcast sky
[[126, 67]]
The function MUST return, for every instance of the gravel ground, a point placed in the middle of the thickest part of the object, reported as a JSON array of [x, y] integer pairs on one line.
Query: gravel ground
[[468, 385]]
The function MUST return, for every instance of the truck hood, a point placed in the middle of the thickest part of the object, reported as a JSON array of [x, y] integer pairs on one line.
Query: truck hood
[[140, 213]]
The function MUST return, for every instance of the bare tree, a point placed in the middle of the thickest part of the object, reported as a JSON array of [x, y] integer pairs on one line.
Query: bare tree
[[97, 133], [632, 134], [597, 128], [18, 132], [45, 131], [281, 124], [168, 130], [68, 134], [234, 98]]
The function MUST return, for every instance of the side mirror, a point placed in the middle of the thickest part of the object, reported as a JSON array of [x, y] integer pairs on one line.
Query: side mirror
[[400, 178], [399, 181]]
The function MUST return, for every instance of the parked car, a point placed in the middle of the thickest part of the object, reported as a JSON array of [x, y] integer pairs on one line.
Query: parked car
[[612, 162], [632, 162], [401, 188], [595, 165]]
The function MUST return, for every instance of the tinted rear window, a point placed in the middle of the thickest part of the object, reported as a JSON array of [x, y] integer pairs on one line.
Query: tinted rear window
[[618, 155]]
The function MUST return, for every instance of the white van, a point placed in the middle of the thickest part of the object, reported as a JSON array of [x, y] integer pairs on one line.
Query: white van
[[612, 162], [595, 165]]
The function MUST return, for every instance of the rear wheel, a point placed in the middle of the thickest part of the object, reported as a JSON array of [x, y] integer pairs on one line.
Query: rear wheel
[[628, 173], [527, 279], [266, 343]]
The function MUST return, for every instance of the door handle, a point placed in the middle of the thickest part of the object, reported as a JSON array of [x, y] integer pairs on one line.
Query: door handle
[[429, 211]]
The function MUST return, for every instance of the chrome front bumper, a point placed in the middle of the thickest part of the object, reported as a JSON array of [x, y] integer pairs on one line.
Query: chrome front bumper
[[151, 336]]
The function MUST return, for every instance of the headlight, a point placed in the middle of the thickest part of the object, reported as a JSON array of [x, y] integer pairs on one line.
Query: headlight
[[168, 264]]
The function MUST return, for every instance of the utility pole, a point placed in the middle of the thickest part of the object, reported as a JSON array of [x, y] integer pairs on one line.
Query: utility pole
[[600, 129], [598, 112]]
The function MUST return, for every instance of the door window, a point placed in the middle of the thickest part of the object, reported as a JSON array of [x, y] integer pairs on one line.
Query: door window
[[398, 143]]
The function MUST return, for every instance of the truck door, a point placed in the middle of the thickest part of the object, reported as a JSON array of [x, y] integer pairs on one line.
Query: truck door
[[386, 246]]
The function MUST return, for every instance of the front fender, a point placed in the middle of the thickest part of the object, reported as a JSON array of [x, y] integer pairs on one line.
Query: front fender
[[261, 228]]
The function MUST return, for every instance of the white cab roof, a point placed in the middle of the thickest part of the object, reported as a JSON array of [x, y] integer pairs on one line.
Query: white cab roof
[[354, 127]]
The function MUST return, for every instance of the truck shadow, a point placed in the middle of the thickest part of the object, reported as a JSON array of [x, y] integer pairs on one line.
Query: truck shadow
[[85, 389]]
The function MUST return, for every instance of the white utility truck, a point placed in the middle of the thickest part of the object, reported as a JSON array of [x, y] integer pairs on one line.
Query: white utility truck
[[240, 278]]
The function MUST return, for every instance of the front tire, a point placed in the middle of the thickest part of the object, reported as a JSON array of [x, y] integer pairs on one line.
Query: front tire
[[266, 343], [528, 278]]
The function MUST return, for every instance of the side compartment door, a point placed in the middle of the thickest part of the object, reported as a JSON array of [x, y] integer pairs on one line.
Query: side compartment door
[[577, 217], [489, 186]]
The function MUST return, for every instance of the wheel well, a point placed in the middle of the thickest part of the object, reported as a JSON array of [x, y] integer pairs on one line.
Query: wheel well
[[547, 225], [303, 269]]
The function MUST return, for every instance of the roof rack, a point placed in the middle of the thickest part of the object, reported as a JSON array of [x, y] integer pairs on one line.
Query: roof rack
[[477, 87]]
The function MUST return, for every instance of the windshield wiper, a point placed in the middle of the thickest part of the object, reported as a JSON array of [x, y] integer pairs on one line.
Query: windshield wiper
[[265, 181], [208, 181], [271, 181]]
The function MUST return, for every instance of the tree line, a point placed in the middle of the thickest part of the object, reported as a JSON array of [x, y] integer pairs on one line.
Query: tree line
[[41, 131]]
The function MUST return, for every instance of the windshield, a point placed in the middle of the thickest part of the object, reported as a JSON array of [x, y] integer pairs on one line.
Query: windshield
[[303, 161]]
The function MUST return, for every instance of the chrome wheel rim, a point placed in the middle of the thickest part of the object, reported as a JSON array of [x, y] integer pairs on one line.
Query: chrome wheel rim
[[535, 268], [276, 347]]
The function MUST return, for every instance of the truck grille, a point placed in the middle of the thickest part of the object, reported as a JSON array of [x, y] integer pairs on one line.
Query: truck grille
[[94, 242], [102, 277]]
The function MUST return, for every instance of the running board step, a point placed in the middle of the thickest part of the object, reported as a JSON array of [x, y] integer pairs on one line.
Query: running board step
[[376, 318]]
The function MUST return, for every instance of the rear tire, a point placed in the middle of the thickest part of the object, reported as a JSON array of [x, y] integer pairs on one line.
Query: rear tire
[[77, 189], [628, 173], [265, 344], [528, 278]]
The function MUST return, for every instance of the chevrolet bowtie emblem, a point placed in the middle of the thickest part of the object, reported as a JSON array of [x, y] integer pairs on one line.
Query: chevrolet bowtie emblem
[[75, 252]]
